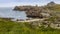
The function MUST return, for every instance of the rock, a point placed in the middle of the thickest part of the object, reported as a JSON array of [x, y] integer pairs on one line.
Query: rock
[[34, 11], [51, 3], [20, 20], [24, 8], [38, 13], [16, 8], [55, 26]]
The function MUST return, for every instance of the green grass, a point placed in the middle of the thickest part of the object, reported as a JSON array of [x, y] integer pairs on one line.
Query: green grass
[[54, 8], [9, 27]]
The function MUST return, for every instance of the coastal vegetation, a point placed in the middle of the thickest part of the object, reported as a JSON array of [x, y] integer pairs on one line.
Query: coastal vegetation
[[10, 27]]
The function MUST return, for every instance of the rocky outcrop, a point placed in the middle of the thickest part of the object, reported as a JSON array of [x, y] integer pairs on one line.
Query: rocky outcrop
[[51, 4], [41, 13], [36, 11], [24, 8]]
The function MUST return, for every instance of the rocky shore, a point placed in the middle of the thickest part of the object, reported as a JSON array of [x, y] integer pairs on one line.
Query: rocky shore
[[36, 11], [40, 12]]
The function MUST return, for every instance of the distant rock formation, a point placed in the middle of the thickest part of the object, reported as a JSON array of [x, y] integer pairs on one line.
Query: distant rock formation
[[24, 8], [51, 3]]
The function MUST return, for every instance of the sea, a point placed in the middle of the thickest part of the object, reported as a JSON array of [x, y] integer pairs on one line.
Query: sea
[[8, 12]]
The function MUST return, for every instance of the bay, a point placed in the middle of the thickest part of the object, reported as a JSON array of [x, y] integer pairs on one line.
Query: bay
[[8, 12]]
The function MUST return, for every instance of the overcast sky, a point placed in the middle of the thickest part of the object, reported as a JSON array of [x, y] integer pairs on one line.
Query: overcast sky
[[11, 3]]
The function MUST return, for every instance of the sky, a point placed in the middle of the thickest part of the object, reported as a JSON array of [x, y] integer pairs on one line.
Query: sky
[[12, 3]]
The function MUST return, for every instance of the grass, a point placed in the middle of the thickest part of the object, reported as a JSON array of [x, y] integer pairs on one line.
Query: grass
[[9, 27], [54, 8]]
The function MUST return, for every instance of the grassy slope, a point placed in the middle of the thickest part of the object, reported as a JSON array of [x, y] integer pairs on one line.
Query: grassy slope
[[9, 27], [55, 7]]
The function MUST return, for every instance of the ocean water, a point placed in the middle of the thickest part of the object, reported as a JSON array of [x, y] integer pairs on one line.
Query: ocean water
[[10, 13]]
